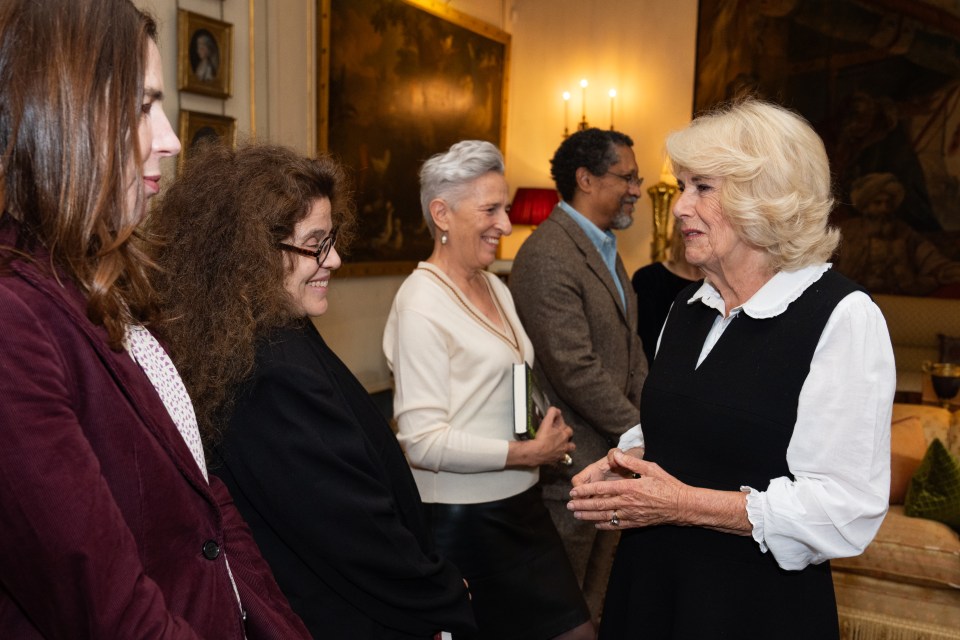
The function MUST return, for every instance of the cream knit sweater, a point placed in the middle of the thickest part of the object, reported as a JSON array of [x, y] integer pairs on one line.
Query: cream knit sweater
[[453, 389]]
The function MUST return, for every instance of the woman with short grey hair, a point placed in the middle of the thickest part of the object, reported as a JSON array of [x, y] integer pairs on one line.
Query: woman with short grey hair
[[452, 339], [446, 175]]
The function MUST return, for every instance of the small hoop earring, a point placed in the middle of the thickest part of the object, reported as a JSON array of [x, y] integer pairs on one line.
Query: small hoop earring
[[443, 238]]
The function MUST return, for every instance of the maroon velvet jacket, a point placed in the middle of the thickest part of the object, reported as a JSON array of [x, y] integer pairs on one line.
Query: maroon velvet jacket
[[107, 527]]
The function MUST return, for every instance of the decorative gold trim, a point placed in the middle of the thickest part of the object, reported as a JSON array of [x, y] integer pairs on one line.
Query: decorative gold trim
[[322, 91], [437, 8], [252, 60], [311, 55], [193, 123], [385, 268]]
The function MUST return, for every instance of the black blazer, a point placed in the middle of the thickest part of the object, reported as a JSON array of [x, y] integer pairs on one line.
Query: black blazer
[[320, 477]]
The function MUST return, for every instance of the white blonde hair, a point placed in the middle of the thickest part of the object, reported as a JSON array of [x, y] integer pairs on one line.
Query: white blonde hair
[[774, 178]]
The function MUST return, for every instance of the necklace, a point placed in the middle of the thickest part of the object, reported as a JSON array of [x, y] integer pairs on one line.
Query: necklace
[[512, 341]]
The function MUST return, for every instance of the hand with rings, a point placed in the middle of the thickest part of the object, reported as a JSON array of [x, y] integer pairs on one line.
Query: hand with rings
[[642, 495]]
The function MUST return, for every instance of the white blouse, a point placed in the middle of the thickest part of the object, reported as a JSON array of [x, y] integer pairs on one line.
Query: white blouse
[[839, 454]]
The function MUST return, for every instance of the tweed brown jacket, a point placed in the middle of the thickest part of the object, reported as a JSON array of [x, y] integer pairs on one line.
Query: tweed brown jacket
[[588, 355]]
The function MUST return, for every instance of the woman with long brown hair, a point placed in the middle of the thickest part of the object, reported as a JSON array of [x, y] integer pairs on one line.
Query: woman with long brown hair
[[252, 240], [111, 528]]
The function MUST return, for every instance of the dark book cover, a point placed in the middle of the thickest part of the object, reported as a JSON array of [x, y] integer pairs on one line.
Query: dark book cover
[[530, 404]]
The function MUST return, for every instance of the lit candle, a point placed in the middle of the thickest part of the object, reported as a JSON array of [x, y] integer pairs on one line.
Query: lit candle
[[583, 90], [666, 173], [613, 94]]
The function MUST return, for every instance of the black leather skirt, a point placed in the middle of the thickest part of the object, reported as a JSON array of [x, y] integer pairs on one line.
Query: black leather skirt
[[521, 583]]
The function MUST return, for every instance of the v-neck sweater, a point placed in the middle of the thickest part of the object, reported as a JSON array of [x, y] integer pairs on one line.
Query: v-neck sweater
[[453, 398]]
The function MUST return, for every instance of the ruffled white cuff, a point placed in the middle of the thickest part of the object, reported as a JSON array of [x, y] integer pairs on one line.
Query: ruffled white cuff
[[755, 506]]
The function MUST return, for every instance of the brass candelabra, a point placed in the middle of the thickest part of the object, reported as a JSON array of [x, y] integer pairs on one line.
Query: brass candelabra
[[662, 195]]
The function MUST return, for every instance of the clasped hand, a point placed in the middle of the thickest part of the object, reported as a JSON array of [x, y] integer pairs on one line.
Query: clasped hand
[[611, 485], [554, 437], [550, 445]]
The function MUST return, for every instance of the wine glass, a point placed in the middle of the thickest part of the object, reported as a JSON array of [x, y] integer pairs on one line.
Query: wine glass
[[945, 377]]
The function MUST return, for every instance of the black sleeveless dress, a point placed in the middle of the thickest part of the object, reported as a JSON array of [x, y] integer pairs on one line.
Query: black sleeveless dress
[[721, 426]]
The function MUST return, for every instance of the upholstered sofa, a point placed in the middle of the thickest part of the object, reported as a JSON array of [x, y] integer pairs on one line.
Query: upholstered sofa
[[906, 584]]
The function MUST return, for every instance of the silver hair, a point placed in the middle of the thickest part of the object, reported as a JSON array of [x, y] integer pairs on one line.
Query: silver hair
[[445, 174]]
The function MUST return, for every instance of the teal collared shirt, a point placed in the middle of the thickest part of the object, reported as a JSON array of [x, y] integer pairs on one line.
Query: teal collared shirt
[[604, 241]]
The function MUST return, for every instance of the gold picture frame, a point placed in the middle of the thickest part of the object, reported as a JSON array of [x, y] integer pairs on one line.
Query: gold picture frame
[[196, 127], [383, 115], [204, 54]]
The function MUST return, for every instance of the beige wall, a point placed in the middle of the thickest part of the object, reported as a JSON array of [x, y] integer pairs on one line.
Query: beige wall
[[644, 49]]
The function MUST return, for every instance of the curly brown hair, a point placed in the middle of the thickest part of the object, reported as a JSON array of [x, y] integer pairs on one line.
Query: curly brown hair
[[221, 279]]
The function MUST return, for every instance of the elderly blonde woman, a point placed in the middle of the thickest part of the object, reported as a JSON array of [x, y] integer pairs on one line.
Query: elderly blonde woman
[[452, 339], [763, 449]]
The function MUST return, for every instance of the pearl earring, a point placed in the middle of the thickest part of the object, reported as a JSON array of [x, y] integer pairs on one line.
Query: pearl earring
[[443, 238]]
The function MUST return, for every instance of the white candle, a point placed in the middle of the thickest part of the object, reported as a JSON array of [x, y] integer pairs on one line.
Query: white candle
[[583, 89], [613, 94]]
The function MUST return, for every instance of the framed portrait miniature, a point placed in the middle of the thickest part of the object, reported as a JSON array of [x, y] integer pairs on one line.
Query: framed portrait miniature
[[196, 128], [204, 54]]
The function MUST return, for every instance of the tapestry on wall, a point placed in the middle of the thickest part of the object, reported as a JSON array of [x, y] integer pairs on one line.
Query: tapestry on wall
[[880, 81]]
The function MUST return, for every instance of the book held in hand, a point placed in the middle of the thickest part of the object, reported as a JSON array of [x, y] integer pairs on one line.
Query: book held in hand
[[530, 404]]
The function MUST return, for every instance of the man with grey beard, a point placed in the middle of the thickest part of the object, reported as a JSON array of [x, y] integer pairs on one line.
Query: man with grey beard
[[576, 304]]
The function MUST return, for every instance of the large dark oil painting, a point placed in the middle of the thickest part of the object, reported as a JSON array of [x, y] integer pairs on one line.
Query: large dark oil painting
[[401, 80], [880, 81]]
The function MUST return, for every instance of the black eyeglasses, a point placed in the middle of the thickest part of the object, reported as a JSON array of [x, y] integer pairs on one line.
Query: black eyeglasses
[[320, 253], [631, 179]]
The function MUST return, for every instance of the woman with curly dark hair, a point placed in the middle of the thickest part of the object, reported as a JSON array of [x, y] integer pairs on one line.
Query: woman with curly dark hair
[[250, 239]]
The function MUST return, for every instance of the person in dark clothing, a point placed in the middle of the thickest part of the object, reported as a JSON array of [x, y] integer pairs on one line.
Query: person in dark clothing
[[251, 244], [763, 449], [657, 285]]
